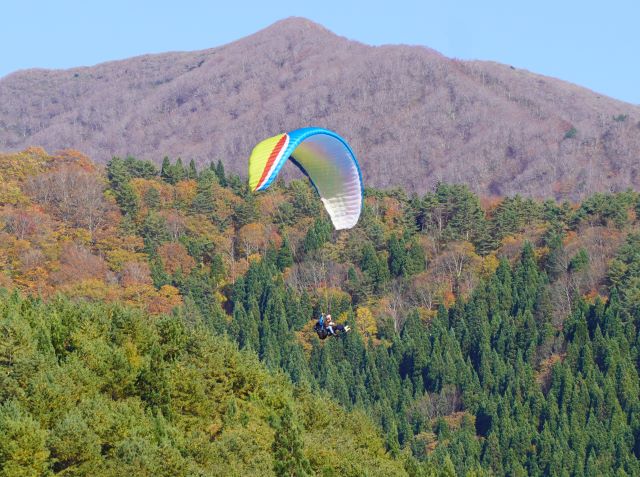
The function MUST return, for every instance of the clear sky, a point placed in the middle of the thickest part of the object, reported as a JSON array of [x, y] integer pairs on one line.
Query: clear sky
[[593, 43]]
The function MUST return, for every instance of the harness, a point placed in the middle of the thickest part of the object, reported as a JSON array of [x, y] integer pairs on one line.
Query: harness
[[320, 328]]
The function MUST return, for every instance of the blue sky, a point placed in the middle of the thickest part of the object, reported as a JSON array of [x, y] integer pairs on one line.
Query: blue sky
[[592, 43]]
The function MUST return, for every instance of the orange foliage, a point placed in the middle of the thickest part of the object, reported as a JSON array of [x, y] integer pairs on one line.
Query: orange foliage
[[167, 299], [253, 238], [392, 210], [543, 375], [73, 157], [5, 281], [490, 203], [592, 295], [141, 186], [174, 257], [569, 238], [77, 263], [449, 298], [268, 203], [186, 191], [224, 202]]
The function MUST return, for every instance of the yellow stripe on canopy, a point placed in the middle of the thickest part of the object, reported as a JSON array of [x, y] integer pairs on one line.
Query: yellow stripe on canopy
[[259, 160]]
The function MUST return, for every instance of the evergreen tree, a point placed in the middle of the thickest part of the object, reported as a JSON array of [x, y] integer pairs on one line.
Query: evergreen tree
[[166, 171], [203, 201], [219, 170], [152, 198], [397, 256], [285, 255], [317, 235], [192, 172], [179, 172], [288, 448]]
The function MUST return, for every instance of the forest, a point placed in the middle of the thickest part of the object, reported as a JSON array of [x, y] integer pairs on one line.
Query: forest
[[163, 316]]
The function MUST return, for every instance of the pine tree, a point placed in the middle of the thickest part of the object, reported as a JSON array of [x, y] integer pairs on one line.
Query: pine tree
[[23, 449], [192, 172], [165, 171], [152, 198], [288, 448], [397, 256], [128, 200], [179, 172], [203, 200], [285, 256], [415, 260], [219, 170]]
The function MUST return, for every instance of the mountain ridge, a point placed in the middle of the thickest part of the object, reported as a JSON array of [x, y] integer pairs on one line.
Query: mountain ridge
[[499, 129]]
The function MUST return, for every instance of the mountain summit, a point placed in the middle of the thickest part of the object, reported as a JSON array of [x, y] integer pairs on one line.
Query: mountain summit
[[413, 116]]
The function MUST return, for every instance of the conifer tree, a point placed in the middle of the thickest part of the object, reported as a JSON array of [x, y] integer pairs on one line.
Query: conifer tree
[[288, 448], [203, 200], [219, 170], [285, 255], [397, 256], [192, 172]]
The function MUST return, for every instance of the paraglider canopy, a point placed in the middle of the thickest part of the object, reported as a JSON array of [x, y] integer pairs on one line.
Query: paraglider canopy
[[325, 158]]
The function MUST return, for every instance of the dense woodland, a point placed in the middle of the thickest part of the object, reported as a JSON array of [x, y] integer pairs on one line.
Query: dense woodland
[[492, 335]]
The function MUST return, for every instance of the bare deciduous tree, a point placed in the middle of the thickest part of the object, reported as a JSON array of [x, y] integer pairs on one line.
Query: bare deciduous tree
[[73, 195]]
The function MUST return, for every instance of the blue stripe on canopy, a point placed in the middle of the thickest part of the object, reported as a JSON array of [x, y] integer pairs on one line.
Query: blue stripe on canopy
[[331, 165]]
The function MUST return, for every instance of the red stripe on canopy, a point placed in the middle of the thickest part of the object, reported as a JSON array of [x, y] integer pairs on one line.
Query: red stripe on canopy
[[272, 158]]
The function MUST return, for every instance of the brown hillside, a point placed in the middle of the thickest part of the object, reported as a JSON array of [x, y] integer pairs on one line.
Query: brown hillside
[[412, 116]]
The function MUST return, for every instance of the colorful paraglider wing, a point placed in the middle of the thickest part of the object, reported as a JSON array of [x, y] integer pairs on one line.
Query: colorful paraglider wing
[[325, 158]]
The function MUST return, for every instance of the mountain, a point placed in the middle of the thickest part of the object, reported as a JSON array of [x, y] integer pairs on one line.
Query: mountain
[[413, 116], [488, 337]]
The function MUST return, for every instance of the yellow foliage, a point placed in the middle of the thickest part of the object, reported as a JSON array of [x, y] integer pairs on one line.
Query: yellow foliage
[[305, 335], [118, 257], [93, 289], [141, 186], [489, 265], [131, 243], [12, 194], [254, 258], [186, 191], [139, 294], [252, 238], [132, 354], [365, 322], [224, 202], [78, 235], [21, 245], [21, 165]]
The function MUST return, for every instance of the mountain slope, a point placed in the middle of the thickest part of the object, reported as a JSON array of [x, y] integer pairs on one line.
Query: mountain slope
[[413, 116]]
